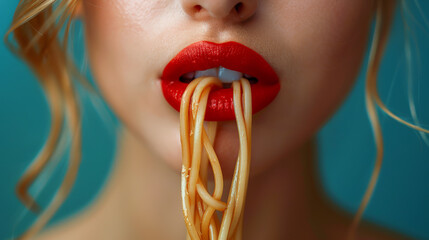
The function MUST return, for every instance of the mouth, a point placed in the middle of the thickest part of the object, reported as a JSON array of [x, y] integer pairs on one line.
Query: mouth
[[229, 62]]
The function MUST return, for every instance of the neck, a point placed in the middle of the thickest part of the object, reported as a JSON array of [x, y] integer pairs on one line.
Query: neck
[[286, 202], [143, 197]]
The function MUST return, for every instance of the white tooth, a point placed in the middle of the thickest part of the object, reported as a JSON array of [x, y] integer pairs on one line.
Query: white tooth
[[189, 75], [229, 76], [212, 72]]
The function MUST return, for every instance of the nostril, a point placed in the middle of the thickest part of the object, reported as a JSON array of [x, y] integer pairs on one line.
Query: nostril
[[238, 7], [235, 10], [197, 8]]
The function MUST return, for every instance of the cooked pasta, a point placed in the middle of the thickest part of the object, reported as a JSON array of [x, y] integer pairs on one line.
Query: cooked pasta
[[199, 206]]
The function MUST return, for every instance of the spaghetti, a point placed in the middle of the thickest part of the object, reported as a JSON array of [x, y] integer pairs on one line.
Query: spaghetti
[[199, 206]]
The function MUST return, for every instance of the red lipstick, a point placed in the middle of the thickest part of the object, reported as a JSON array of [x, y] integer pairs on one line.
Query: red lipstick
[[231, 55]]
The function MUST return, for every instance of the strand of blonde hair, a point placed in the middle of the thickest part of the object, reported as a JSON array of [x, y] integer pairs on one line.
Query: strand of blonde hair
[[384, 16], [35, 30]]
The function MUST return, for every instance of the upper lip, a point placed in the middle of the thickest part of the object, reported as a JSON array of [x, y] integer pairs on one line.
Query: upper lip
[[232, 55]]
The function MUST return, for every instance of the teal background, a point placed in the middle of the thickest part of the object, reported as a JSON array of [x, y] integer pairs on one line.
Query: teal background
[[401, 199]]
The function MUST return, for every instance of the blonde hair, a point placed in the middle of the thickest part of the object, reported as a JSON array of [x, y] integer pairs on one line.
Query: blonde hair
[[36, 28], [383, 22], [36, 36]]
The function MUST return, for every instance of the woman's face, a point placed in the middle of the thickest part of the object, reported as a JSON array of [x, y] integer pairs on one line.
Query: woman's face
[[314, 46]]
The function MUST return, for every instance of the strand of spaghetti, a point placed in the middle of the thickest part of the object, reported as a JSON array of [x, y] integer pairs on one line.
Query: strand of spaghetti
[[230, 210], [190, 133], [200, 208], [243, 176], [197, 218], [214, 162], [218, 180], [207, 219], [196, 154], [205, 82], [201, 91], [247, 102], [214, 226], [195, 203], [208, 223], [211, 133], [218, 183], [208, 199], [213, 229], [235, 230], [204, 168], [204, 196], [227, 215], [201, 105], [185, 142], [210, 230]]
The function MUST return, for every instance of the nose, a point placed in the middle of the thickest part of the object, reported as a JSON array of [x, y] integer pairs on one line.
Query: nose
[[235, 10]]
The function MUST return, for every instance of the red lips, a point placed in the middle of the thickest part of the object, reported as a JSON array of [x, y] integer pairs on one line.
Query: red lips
[[234, 56]]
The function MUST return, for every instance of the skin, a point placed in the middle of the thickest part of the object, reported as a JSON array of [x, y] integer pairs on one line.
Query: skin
[[316, 48]]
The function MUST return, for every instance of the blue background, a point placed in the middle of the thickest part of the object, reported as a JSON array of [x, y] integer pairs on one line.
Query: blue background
[[401, 199]]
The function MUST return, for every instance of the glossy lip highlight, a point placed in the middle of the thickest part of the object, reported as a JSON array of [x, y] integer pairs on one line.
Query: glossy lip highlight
[[232, 55]]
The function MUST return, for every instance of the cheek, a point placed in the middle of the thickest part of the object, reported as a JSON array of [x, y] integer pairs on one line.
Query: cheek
[[323, 49], [327, 50], [332, 53], [119, 38]]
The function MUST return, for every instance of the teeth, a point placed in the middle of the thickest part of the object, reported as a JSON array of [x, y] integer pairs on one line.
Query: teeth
[[224, 74], [212, 72], [228, 76]]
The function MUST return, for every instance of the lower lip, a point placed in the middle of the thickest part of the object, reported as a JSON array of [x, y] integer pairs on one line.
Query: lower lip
[[220, 106]]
